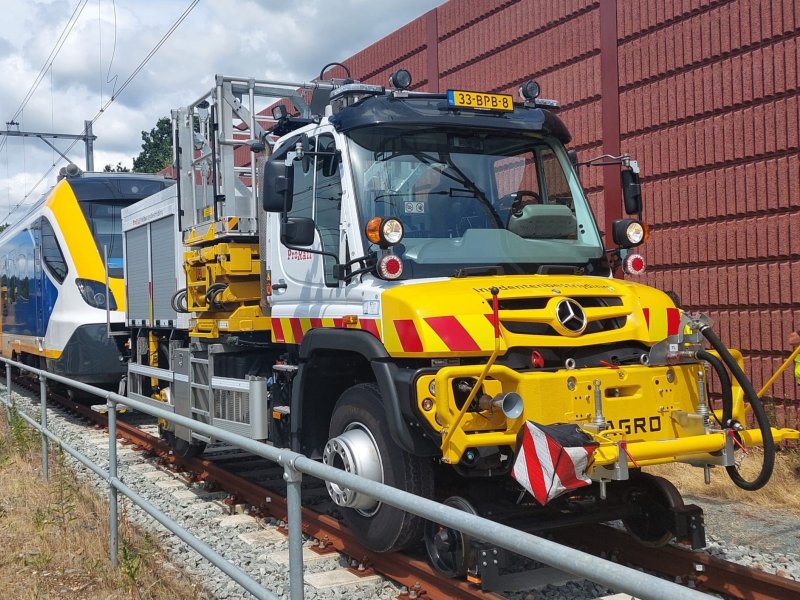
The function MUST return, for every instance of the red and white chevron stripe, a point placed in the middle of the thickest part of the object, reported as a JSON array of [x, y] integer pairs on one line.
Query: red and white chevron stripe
[[546, 468]]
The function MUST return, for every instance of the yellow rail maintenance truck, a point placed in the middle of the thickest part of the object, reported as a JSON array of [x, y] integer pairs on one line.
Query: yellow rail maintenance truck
[[412, 287]]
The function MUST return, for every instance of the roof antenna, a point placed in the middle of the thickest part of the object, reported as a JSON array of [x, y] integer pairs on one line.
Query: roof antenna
[[337, 64]]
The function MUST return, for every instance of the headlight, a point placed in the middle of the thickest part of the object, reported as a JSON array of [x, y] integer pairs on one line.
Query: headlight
[[385, 233], [392, 231], [94, 293], [635, 233], [628, 233]]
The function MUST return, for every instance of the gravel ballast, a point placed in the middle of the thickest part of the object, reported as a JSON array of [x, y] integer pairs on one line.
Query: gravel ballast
[[752, 536]]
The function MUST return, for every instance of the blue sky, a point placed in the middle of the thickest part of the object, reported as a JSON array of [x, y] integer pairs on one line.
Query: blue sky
[[266, 39]]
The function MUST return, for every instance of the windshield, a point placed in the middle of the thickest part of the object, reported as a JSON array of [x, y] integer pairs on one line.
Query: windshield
[[104, 220], [472, 199]]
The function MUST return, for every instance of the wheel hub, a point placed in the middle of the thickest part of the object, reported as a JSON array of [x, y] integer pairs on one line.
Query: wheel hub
[[449, 550], [354, 451]]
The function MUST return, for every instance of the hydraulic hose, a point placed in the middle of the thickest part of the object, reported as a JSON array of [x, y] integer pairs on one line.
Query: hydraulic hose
[[213, 291], [725, 383], [178, 301], [758, 410]]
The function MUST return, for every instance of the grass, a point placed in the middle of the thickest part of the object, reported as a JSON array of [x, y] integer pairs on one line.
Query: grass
[[781, 491], [55, 535]]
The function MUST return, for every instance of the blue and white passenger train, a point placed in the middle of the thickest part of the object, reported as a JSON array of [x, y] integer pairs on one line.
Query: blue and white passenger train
[[54, 309]]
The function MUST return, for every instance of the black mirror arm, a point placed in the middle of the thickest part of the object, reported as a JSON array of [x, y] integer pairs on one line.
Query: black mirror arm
[[343, 272], [622, 159], [299, 154], [340, 271]]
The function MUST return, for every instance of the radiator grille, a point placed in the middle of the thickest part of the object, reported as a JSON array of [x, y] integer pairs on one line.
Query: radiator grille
[[232, 406]]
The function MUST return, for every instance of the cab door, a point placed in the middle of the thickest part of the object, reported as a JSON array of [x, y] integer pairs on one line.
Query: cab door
[[303, 285]]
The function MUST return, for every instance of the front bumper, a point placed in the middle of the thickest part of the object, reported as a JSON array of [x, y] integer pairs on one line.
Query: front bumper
[[649, 414], [90, 356]]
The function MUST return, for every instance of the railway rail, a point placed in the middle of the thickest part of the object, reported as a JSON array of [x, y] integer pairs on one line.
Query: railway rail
[[693, 568]]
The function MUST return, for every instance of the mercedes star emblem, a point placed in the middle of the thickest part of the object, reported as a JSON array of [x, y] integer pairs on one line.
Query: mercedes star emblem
[[571, 316]]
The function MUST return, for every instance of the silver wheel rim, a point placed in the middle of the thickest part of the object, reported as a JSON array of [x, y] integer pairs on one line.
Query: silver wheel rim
[[354, 451]]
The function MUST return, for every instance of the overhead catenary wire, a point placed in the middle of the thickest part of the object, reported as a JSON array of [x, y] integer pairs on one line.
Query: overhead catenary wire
[[110, 101], [76, 13], [113, 79]]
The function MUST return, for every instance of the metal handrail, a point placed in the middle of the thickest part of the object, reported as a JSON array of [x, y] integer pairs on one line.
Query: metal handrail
[[618, 577]]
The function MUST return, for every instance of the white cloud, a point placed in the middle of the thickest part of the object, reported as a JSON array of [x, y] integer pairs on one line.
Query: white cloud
[[278, 40]]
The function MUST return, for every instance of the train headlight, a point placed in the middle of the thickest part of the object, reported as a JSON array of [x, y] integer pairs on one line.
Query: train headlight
[[94, 293]]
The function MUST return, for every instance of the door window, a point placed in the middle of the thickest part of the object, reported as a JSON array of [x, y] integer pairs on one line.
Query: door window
[[317, 194], [52, 256], [328, 202]]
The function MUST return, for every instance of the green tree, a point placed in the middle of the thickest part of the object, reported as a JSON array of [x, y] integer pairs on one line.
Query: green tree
[[120, 168], [156, 148]]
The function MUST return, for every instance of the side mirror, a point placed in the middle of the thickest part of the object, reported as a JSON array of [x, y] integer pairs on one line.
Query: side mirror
[[631, 192], [276, 192], [298, 231]]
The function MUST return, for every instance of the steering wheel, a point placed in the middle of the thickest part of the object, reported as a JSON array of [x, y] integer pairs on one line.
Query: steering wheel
[[519, 199], [515, 201]]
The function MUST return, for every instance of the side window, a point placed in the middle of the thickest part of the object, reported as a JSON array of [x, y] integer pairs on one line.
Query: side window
[[52, 256], [5, 282], [23, 263], [302, 193], [515, 173], [555, 181], [12, 276], [328, 202]]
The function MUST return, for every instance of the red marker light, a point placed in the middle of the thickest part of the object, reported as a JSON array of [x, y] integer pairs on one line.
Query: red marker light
[[537, 360], [390, 267], [634, 264]]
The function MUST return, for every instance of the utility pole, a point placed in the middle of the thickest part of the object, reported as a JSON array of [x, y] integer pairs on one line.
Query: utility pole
[[87, 137]]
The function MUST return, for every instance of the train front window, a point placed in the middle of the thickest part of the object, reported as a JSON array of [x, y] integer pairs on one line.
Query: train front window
[[474, 198], [105, 222]]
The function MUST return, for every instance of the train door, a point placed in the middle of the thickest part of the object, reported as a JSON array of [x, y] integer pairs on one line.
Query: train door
[[37, 291]]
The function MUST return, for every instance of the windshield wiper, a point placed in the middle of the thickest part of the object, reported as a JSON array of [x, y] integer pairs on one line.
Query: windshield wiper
[[477, 271], [559, 270], [461, 177]]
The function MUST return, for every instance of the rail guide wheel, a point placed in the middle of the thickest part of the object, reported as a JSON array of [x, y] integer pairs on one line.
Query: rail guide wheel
[[658, 499], [187, 449], [449, 550]]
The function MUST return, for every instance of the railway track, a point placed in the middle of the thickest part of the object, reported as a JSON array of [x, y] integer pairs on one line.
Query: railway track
[[232, 471]]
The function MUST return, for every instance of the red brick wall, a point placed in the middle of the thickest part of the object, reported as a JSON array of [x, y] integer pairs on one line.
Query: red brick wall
[[706, 94], [709, 104]]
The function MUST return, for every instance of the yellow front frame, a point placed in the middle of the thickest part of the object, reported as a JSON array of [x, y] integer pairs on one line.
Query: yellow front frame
[[652, 408]]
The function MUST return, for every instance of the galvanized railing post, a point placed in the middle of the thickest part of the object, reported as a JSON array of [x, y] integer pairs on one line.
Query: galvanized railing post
[[43, 422], [113, 525], [294, 480]]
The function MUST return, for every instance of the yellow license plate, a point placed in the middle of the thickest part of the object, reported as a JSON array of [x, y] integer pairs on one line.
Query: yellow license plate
[[479, 100]]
